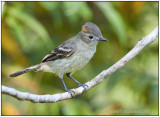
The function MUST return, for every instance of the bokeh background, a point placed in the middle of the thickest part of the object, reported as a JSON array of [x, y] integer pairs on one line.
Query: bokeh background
[[30, 30]]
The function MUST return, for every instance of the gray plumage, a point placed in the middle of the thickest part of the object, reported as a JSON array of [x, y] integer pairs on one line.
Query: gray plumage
[[71, 55]]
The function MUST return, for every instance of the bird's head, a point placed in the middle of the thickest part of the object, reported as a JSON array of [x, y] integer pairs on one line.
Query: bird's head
[[91, 34]]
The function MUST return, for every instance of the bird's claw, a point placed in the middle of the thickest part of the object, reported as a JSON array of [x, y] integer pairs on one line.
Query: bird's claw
[[71, 92], [84, 86]]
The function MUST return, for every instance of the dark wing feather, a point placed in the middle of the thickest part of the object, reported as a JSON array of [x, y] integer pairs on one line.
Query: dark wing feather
[[62, 51]]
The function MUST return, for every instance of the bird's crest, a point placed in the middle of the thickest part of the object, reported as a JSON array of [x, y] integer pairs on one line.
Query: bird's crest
[[92, 28]]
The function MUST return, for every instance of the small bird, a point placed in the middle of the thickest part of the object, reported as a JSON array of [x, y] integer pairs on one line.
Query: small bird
[[70, 56]]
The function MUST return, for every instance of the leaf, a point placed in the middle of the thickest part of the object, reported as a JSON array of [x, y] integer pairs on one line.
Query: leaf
[[9, 46], [74, 10], [115, 20], [18, 31], [33, 24]]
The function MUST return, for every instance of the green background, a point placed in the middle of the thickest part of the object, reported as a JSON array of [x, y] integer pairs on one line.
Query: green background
[[30, 30]]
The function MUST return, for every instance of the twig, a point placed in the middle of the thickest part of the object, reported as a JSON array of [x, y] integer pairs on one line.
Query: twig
[[99, 78]]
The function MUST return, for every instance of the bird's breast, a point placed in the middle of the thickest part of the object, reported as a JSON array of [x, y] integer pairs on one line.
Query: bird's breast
[[86, 53]]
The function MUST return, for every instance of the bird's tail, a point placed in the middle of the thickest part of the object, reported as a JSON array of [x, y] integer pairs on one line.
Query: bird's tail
[[32, 68]]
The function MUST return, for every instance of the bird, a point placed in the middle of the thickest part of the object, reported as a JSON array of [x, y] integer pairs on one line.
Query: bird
[[70, 56]]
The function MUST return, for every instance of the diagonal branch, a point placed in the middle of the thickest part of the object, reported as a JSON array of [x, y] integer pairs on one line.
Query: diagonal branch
[[99, 78]]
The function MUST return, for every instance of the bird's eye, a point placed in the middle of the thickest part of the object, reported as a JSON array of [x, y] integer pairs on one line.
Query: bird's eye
[[91, 37]]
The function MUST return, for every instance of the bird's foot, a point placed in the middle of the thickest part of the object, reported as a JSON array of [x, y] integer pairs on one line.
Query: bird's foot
[[70, 91], [84, 86]]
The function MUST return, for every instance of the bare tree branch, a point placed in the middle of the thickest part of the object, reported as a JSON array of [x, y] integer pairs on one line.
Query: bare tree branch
[[99, 78]]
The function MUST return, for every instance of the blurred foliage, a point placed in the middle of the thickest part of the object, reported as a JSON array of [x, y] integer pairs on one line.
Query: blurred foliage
[[30, 30]]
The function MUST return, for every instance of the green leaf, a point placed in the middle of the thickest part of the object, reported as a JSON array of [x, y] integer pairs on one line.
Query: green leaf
[[33, 24], [115, 20], [74, 10]]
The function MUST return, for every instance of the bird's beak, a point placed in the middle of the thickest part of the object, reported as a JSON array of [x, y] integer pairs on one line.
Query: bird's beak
[[102, 39]]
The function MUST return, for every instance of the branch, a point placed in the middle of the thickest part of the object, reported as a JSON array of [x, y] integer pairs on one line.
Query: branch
[[99, 78]]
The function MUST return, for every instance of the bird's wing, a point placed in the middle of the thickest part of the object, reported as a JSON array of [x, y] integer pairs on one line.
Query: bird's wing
[[62, 51]]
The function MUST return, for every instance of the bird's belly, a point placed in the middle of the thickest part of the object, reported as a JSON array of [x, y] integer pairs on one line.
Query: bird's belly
[[68, 65]]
